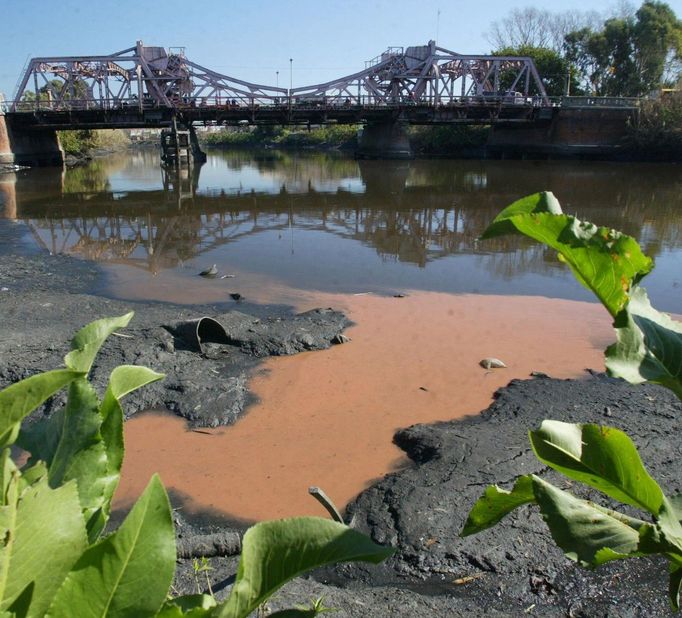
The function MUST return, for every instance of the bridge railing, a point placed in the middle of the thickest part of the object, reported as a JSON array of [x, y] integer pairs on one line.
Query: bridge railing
[[298, 102], [599, 101], [309, 103]]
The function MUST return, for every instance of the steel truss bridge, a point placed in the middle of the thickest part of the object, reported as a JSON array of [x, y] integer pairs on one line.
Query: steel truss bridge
[[145, 86]]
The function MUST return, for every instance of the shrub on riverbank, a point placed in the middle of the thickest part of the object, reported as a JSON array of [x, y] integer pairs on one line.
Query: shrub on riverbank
[[657, 134], [330, 136], [83, 142], [429, 140], [448, 140]]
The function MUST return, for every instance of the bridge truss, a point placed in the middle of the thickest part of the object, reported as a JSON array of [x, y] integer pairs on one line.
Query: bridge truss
[[147, 77]]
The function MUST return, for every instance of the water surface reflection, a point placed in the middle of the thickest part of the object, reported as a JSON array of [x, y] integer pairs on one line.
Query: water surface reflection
[[329, 223]]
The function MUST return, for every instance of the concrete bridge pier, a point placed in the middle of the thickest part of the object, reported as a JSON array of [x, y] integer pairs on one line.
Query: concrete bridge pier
[[384, 140], [37, 147]]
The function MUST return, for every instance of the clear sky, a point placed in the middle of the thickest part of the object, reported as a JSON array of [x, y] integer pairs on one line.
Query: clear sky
[[253, 39]]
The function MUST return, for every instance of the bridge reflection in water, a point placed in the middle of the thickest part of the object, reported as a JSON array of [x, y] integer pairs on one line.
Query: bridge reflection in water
[[350, 225]]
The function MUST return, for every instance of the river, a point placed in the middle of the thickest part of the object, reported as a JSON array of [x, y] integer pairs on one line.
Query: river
[[324, 230], [326, 223]]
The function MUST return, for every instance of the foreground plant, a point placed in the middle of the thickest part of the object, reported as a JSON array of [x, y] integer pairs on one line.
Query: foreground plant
[[606, 459], [648, 348], [54, 559]]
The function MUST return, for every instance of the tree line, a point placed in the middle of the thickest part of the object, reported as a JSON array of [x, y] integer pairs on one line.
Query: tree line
[[631, 53]]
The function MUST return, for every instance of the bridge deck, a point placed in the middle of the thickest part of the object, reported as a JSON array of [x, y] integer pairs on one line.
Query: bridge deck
[[128, 116]]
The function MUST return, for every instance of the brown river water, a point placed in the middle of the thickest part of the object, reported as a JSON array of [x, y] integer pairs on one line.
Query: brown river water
[[322, 230]]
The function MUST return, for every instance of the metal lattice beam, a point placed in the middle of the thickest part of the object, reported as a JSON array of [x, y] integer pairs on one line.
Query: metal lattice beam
[[144, 77]]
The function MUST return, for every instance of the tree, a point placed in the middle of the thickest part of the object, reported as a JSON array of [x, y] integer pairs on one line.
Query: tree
[[586, 50], [628, 55], [553, 68], [533, 27], [658, 33]]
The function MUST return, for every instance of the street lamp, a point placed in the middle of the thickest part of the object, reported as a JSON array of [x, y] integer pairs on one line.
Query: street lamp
[[277, 73], [291, 73]]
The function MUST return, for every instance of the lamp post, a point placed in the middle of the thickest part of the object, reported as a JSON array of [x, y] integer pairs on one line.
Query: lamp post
[[277, 74], [291, 73]]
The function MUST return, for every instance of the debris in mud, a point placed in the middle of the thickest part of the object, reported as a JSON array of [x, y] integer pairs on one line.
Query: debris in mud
[[209, 272], [538, 374], [207, 360], [492, 363]]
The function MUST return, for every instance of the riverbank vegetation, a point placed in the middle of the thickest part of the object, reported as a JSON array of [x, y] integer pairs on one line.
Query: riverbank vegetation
[[658, 129], [425, 140], [627, 53], [331, 136], [447, 139], [624, 53], [86, 141]]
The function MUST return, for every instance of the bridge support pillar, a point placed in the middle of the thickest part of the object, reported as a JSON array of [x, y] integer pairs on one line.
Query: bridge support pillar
[[6, 154], [39, 147], [198, 154], [8, 196], [386, 140]]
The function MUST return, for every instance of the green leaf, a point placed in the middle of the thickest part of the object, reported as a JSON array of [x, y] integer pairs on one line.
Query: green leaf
[[585, 533], [676, 503], [8, 471], [128, 573], [89, 339], [21, 606], [41, 439], [123, 380], [537, 203], [78, 441], [44, 534], [189, 606], [670, 526], [648, 346], [602, 457], [71, 445], [495, 503], [18, 400], [276, 551], [84, 441], [31, 474], [675, 587], [605, 261]]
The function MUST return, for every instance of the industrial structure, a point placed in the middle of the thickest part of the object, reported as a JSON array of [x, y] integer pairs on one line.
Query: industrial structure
[[145, 86]]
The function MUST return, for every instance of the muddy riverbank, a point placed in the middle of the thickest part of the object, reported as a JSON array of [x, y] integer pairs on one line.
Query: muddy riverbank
[[419, 508], [514, 569]]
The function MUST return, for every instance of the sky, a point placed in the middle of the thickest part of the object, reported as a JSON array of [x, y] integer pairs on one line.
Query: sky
[[254, 39]]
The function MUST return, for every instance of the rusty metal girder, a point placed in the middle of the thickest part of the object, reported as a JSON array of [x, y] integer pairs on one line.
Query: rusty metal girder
[[147, 77]]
